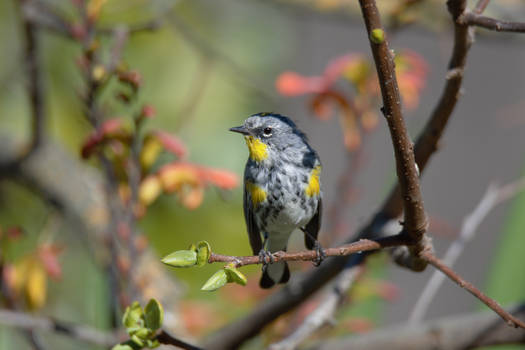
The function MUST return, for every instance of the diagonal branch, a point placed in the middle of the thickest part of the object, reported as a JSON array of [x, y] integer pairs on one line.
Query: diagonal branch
[[415, 220], [438, 264], [427, 142], [325, 311], [167, 339], [473, 19], [493, 196]]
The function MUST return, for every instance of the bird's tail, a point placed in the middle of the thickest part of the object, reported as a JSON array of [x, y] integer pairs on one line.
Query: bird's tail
[[274, 273]]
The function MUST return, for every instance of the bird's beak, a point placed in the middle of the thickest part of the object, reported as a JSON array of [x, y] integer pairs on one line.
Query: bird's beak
[[240, 129]]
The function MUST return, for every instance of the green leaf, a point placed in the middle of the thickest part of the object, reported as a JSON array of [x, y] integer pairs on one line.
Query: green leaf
[[377, 36], [235, 275], [133, 316], [154, 314], [181, 258], [142, 333], [192, 247], [219, 279], [122, 347], [152, 343], [137, 340], [203, 253]]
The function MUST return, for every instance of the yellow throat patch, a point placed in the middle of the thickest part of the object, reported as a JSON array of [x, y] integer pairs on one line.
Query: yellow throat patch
[[314, 187], [257, 194], [258, 150]]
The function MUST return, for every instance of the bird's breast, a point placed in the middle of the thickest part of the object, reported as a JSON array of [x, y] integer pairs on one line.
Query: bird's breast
[[287, 204]]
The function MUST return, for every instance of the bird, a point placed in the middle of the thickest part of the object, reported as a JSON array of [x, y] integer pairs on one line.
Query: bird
[[282, 191]]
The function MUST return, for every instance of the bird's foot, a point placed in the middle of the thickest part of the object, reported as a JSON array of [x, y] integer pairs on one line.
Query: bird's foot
[[321, 255], [265, 258]]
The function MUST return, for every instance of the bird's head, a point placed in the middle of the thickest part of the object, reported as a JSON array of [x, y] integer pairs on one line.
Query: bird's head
[[269, 132]]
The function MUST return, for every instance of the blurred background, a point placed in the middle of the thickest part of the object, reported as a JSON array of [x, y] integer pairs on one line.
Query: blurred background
[[204, 67]]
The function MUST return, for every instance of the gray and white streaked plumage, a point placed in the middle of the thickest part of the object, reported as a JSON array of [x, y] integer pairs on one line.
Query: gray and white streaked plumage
[[282, 189]]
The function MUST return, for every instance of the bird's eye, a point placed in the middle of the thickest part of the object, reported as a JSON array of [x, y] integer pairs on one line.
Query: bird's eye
[[267, 131]]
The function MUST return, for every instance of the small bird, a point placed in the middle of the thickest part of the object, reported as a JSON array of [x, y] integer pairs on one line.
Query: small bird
[[282, 190]]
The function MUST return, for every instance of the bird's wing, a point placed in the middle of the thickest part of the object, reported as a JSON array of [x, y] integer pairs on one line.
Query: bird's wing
[[251, 225], [311, 229]]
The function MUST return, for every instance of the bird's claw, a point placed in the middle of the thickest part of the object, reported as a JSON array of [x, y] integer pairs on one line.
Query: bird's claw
[[265, 258], [321, 255]]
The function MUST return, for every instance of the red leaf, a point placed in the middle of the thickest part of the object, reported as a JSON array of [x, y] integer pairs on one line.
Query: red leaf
[[171, 143], [293, 84], [48, 255], [132, 78], [148, 111], [14, 232], [108, 129], [335, 68]]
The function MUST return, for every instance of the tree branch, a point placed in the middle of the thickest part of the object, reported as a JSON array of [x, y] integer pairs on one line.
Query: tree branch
[[438, 264], [78, 332], [362, 245], [452, 333], [324, 313], [427, 142], [415, 220], [473, 19], [493, 196], [165, 338], [34, 89]]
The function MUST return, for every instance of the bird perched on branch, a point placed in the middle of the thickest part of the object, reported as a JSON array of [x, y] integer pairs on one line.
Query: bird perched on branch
[[282, 190]]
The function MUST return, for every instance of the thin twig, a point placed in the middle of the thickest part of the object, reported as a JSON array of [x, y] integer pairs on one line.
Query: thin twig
[[415, 220], [458, 332], [481, 6], [44, 16], [78, 332], [473, 19], [492, 197], [165, 338], [362, 245], [324, 312], [33, 339], [437, 263]]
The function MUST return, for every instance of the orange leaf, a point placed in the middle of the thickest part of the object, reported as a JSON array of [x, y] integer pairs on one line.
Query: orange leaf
[[369, 120], [192, 197], [221, 178], [174, 175]]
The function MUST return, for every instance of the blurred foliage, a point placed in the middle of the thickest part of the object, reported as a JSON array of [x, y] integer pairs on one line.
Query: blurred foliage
[[201, 72]]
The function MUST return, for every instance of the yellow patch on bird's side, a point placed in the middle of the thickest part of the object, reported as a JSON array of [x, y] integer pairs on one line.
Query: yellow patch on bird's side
[[257, 194], [314, 186], [258, 150]]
